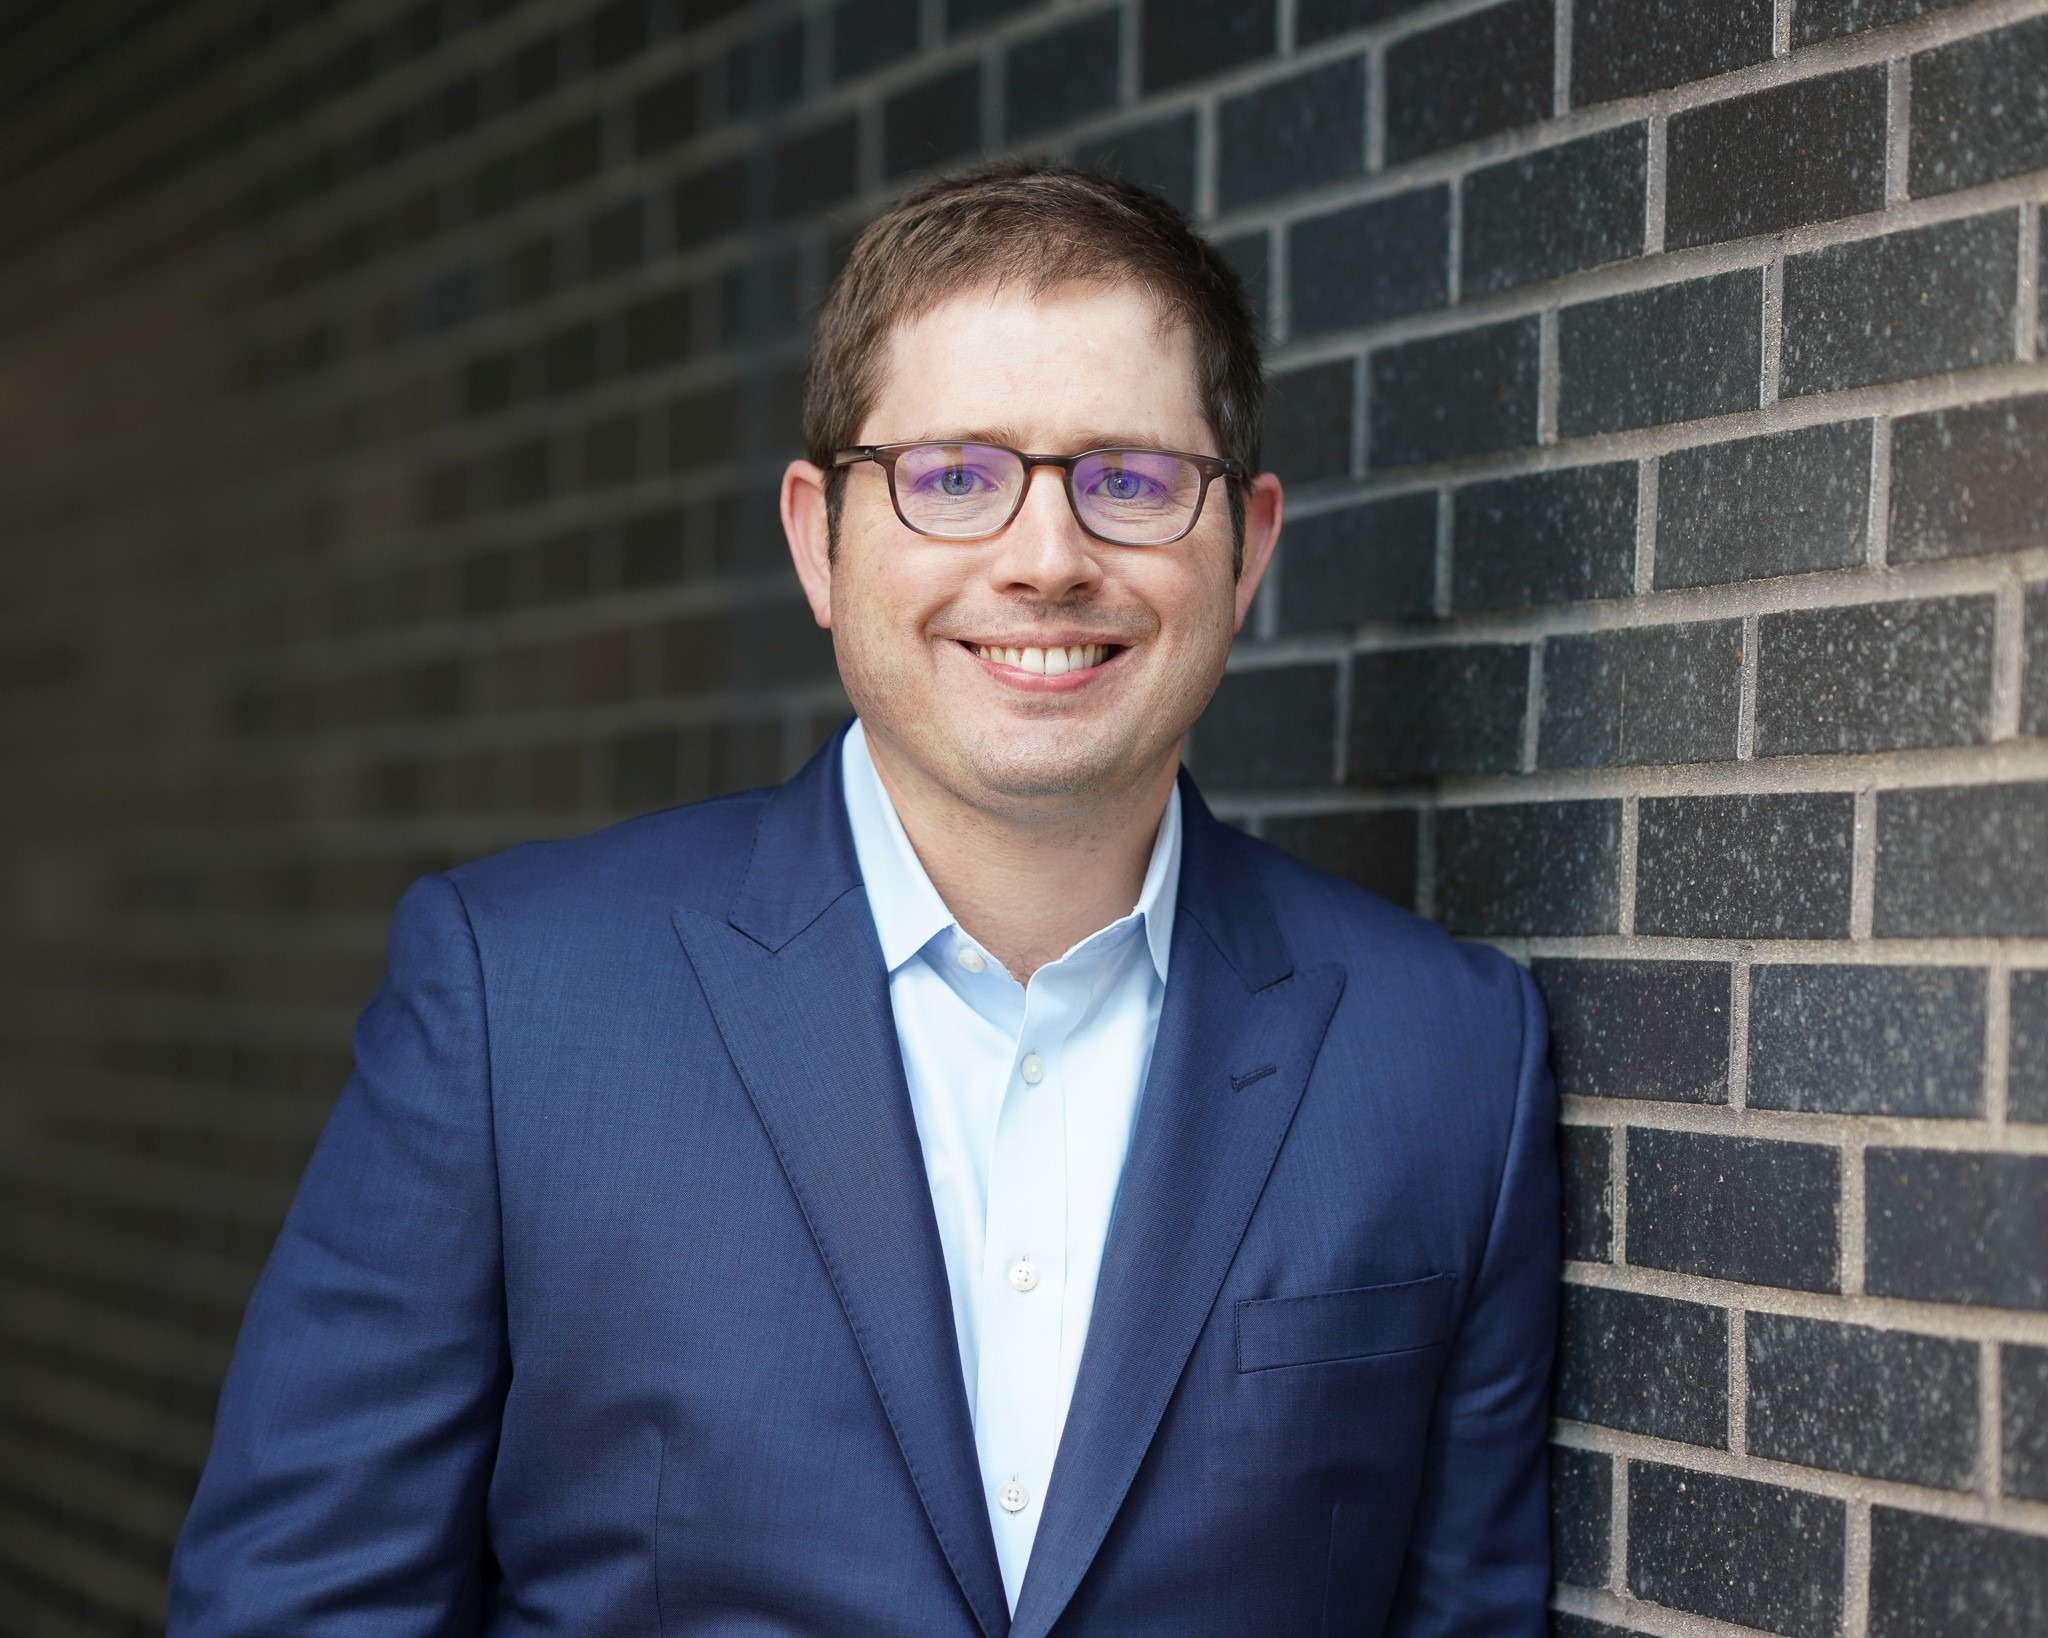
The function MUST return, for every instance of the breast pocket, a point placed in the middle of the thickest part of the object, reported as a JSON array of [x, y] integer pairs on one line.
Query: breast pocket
[[1355, 1324]]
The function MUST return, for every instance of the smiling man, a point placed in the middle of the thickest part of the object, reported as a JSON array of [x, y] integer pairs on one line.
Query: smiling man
[[965, 1190]]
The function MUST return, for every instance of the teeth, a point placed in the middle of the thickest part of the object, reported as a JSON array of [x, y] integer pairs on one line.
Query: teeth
[[1049, 662]]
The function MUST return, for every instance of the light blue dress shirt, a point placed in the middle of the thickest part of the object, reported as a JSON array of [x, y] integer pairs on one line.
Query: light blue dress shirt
[[1024, 1096]]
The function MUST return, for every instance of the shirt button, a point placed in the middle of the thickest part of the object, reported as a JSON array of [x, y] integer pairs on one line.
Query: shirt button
[[1014, 1497], [972, 959], [1032, 1070], [1023, 1276]]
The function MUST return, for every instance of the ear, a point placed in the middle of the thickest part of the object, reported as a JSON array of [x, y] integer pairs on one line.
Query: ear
[[1263, 504], [810, 536]]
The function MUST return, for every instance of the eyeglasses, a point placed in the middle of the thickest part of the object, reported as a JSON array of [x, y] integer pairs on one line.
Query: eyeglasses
[[1127, 497]]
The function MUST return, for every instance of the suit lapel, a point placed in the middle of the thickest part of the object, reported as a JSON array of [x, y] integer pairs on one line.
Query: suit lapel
[[794, 978], [1239, 1032]]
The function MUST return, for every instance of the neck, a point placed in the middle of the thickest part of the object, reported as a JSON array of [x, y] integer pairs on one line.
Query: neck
[[1028, 886]]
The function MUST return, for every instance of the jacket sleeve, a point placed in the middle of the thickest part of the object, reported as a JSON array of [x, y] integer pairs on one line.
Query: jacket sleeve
[[345, 1489], [1478, 1562]]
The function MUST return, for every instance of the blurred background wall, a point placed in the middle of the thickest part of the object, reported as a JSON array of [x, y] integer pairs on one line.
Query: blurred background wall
[[391, 396]]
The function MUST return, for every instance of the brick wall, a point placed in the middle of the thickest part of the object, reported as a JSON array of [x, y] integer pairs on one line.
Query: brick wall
[[392, 395]]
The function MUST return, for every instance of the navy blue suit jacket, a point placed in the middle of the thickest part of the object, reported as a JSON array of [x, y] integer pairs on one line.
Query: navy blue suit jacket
[[612, 1301]]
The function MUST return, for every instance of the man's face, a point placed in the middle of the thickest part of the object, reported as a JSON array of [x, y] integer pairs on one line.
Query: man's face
[[920, 625]]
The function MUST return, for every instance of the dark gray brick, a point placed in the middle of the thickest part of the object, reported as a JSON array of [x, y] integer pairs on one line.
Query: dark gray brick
[[1251, 255], [1968, 480], [1291, 134], [1787, 503], [1917, 303], [1453, 396], [1744, 866], [1758, 1555], [1953, 1227], [1421, 712], [709, 203], [1622, 47], [1371, 262], [2023, 1420], [765, 74], [1963, 861], [813, 169], [869, 33], [1879, 677], [1068, 74], [658, 330], [2034, 673], [1806, 152], [1308, 421], [931, 123], [1852, 1399], [1586, 1163], [1980, 109], [1734, 1208], [1868, 1040], [2027, 1073], [1581, 1509], [1644, 1365], [1276, 726], [964, 15], [1550, 537], [1554, 211], [1470, 78], [666, 114], [1376, 850], [1361, 564], [1525, 869], [1655, 694], [1638, 1029], [1930, 1575], [1182, 40], [1316, 20], [1158, 154], [1814, 20], [1677, 353]]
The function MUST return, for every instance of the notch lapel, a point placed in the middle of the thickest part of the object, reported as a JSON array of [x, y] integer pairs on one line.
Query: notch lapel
[[795, 981], [1238, 1035]]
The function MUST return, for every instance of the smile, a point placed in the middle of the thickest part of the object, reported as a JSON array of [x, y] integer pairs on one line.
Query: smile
[[1051, 662]]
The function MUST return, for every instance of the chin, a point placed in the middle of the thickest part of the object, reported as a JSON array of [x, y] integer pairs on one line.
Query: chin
[[1014, 770]]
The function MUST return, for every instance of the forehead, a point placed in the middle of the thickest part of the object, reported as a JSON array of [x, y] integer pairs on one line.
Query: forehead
[[1050, 368]]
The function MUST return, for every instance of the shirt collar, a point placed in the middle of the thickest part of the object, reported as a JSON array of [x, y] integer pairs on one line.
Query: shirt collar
[[907, 909]]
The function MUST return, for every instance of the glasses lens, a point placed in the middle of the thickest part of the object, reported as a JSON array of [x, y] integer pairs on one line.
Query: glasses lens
[[1136, 496], [957, 490]]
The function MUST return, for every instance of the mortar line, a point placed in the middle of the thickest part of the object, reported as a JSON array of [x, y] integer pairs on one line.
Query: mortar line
[[1853, 1250], [1646, 526], [2027, 310], [1625, 869], [1286, 28], [1376, 109], [1739, 973], [1781, 28], [1997, 1046], [2008, 656], [1878, 519], [1618, 1184], [1863, 864], [1773, 332], [1546, 377], [1738, 1381], [1898, 127], [1425, 863], [1128, 92], [1532, 708], [1340, 727], [1617, 1529], [1991, 1419], [1561, 60], [1654, 184], [994, 110], [1453, 277], [1745, 698], [1441, 588], [1856, 1569], [1360, 452]]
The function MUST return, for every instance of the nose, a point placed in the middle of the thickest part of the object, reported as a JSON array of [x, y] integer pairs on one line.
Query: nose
[[1044, 553]]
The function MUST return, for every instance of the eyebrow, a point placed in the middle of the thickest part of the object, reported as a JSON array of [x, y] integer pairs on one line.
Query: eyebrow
[[1007, 437]]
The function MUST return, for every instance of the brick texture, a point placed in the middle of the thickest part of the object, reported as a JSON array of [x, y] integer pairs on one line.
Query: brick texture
[[396, 394]]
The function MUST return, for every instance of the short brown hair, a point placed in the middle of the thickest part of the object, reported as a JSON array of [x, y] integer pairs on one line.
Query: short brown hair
[[1039, 225]]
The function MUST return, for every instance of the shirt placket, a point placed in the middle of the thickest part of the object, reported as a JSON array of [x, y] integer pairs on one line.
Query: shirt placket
[[1024, 1271]]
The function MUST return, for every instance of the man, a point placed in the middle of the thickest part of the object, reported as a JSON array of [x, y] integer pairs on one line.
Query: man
[[966, 1189]]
